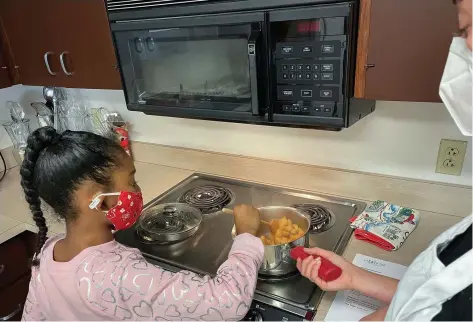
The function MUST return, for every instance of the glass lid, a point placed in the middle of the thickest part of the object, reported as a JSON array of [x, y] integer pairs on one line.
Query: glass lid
[[170, 218]]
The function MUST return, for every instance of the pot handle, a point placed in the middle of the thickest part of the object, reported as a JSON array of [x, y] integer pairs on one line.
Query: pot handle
[[328, 271], [286, 253]]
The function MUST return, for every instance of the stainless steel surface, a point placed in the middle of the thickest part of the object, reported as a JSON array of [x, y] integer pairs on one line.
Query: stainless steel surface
[[63, 65], [169, 222], [46, 62], [208, 248]]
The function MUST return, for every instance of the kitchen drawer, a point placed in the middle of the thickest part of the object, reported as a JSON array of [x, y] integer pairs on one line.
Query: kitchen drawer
[[15, 256], [12, 299]]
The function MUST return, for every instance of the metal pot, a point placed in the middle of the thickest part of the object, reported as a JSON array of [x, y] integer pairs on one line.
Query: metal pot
[[277, 260]]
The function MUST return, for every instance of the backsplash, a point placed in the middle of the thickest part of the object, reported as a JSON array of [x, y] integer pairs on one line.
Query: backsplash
[[398, 139]]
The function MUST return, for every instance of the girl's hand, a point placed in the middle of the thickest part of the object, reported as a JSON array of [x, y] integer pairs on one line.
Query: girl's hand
[[309, 268], [246, 219]]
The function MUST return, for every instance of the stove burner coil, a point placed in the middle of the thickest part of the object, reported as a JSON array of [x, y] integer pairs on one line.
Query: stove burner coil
[[321, 219], [208, 199]]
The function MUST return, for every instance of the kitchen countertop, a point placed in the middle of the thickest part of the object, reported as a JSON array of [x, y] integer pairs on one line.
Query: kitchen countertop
[[15, 217]]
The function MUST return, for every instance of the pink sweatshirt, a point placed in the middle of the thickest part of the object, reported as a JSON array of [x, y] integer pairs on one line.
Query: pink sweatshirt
[[114, 282]]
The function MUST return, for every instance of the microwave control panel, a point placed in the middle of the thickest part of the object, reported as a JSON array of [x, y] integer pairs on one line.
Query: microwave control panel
[[309, 77]]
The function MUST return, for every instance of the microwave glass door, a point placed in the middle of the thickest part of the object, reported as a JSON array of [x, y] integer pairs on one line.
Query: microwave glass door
[[209, 68]]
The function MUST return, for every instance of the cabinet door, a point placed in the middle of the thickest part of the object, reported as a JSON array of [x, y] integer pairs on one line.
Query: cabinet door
[[402, 48], [4, 75], [13, 298], [27, 26], [8, 73], [85, 43]]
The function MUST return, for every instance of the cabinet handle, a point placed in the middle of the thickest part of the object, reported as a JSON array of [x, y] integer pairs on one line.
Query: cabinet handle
[[370, 66], [46, 62], [12, 314], [61, 59], [4, 67], [2, 268]]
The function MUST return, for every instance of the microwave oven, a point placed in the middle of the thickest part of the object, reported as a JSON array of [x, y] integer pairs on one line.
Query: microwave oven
[[251, 61]]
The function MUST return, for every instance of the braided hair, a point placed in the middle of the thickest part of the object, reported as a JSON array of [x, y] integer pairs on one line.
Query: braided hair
[[55, 165]]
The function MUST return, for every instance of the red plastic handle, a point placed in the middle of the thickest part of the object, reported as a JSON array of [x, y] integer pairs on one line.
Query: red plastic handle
[[328, 271]]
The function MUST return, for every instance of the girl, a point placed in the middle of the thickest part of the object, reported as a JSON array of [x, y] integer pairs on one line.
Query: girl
[[86, 275]]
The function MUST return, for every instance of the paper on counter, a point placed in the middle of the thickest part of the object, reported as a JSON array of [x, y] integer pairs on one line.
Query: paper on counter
[[352, 305]]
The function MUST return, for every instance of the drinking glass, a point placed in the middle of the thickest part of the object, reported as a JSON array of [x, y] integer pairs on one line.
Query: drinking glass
[[18, 132]]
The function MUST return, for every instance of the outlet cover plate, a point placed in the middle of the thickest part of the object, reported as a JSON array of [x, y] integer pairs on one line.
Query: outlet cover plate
[[451, 156]]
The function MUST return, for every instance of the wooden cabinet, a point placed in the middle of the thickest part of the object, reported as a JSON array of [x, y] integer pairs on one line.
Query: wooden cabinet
[[15, 274], [5, 80], [61, 43], [84, 44], [13, 298], [5, 77], [402, 48], [27, 34]]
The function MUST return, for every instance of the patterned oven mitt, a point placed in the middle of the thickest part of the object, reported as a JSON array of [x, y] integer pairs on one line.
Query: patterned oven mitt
[[385, 225]]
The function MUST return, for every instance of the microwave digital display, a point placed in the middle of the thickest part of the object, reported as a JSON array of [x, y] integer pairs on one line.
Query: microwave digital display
[[309, 26]]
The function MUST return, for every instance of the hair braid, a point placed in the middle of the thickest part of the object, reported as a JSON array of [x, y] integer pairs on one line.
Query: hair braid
[[37, 142]]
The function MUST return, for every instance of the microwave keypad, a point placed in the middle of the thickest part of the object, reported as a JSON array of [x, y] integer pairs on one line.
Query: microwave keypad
[[305, 108], [327, 48], [308, 71], [307, 93], [309, 77]]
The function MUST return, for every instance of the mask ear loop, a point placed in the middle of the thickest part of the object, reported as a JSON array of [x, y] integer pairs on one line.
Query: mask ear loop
[[94, 203]]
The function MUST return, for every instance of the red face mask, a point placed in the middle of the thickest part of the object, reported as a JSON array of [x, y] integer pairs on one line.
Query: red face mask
[[127, 210]]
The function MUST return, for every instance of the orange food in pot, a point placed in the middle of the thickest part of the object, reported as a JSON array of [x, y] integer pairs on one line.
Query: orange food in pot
[[283, 231]]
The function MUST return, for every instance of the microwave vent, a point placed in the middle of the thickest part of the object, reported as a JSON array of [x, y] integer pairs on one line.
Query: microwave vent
[[115, 5]]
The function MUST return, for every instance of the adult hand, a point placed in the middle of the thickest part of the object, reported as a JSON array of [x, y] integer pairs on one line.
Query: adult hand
[[309, 268], [246, 219]]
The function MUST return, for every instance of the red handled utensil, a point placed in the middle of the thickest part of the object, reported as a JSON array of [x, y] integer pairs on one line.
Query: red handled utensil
[[328, 271]]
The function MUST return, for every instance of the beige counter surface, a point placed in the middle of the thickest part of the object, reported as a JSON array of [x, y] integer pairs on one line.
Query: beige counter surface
[[155, 179]]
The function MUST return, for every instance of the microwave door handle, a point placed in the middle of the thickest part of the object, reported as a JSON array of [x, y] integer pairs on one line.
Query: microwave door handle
[[252, 50]]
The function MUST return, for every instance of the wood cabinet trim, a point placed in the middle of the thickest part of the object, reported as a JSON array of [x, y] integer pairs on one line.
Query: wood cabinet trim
[[364, 22]]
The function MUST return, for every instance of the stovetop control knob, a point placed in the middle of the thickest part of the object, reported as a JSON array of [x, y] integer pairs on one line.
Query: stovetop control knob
[[254, 315]]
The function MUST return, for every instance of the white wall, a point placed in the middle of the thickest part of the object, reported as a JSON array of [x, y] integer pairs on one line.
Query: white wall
[[399, 138]]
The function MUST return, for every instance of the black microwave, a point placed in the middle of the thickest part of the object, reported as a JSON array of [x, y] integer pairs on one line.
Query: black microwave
[[240, 61]]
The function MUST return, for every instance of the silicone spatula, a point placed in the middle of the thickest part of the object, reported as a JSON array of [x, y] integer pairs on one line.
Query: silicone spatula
[[328, 271]]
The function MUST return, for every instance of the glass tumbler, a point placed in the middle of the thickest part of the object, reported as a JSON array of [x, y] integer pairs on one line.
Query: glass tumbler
[[18, 132]]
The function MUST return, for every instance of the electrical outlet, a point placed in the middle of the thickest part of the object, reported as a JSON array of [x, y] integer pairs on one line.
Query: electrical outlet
[[451, 156]]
